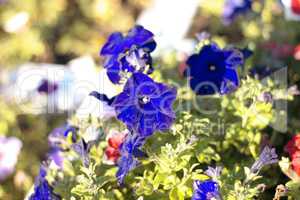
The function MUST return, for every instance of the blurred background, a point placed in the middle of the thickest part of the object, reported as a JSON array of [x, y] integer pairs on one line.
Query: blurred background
[[68, 34]]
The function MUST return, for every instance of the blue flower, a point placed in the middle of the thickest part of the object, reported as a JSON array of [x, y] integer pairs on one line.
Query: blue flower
[[42, 189], [206, 190], [214, 70], [47, 87], [130, 53], [129, 153], [261, 72], [145, 106], [233, 8]]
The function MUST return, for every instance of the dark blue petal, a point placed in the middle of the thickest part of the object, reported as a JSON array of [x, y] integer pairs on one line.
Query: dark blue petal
[[206, 190], [42, 189], [113, 68], [212, 70], [113, 45], [138, 35]]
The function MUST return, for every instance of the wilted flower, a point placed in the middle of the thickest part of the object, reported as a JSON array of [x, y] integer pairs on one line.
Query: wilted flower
[[47, 87], [129, 153], [214, 70], [233, 8], [268, 156], [115, 140], [130, 53], [206, 190], [9, 150], [42, 189], [145, 106]]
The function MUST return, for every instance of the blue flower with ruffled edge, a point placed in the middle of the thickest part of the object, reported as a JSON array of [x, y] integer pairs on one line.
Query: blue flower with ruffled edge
[[206, 190], [233, 8], [145, 106], [214, 70], [42, 189], [130, 151], [129, 53]]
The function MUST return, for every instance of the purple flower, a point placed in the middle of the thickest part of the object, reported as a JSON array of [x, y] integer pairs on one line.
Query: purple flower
[[130, 53], [214, 173], [47, 87], [214, 70], [82, 148], [260, 72], [9, 150], [57, 139], [129, 153], [233, 8], [145, 106], [42, 189], [58, 136], [206, 190], [268, 156], [56, 155]]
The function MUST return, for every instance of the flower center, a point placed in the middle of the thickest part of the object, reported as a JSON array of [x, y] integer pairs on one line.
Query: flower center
[[144, 99], [212, 68]]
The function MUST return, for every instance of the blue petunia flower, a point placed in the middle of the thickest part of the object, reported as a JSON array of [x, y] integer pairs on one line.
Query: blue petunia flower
[[145, 106], [130, 53], [129, 153], [214, 70], [206, 190], [42, 189], [233, 8]]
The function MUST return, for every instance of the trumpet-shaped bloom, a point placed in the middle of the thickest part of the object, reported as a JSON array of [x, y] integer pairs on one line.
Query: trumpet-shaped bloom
[[129, 53], [214, 70], [145, 106], [268, 156]]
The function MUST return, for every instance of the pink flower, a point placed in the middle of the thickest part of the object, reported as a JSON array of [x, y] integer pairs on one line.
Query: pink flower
[[297, 52], [295, 6], [115, 140], [293, 148], [9, 151]]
